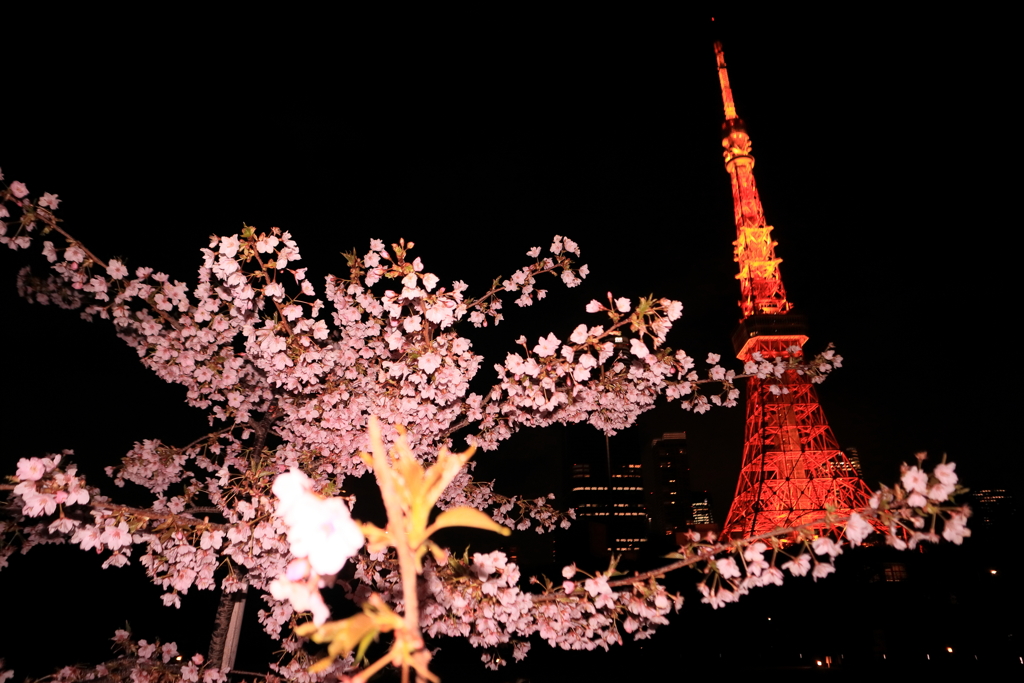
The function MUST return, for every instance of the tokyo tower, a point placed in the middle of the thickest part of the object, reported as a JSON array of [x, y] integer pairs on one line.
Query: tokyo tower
[[792, 468]]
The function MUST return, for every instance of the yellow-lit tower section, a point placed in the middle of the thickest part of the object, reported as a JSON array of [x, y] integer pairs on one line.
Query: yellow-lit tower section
[[792, 467], [760, 281]]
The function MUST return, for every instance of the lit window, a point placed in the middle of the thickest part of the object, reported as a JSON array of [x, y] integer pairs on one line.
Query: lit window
[[895, 571]]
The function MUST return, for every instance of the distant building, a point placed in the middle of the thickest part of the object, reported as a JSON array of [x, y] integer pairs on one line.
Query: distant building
[[993, 507], [608, 494], [668, 484], [638, 496], [674, 505], [701, 510], [853, 460]]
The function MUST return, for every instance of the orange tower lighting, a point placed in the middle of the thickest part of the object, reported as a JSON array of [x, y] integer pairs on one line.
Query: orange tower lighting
[[792, 466]]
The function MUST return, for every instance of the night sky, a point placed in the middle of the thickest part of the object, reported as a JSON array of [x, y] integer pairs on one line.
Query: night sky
[[883, 161]]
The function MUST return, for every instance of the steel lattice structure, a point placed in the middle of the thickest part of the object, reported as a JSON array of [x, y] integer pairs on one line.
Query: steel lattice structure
[[793, 469]]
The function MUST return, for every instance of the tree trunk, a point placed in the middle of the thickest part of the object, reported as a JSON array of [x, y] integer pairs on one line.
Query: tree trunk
[[226, 629], [227, 624], [220, 628]]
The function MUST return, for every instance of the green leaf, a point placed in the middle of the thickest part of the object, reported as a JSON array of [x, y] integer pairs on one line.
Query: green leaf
[[364, 644], [467, 517]]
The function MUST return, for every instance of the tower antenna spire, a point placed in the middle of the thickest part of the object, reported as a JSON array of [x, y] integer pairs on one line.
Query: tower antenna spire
[[723, 79]]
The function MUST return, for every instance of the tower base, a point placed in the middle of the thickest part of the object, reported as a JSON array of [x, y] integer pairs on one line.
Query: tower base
[[793, 471]]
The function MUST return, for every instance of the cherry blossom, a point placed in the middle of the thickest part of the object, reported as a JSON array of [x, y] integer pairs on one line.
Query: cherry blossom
[[728, 568], [945, 473], [291, 370], [857, 529], [318, 529], [955, 528], [48, 200], [826, 546], [915, 481], [31, 469], [822, 569]]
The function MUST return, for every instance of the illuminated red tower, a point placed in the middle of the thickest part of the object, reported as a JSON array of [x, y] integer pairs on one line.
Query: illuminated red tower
[[792, 466]]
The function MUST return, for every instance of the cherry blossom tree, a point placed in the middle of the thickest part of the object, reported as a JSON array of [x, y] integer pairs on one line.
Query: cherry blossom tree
[[309, 382]]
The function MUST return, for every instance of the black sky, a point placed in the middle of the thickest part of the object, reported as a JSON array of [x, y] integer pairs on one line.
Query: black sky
[[882, 162]]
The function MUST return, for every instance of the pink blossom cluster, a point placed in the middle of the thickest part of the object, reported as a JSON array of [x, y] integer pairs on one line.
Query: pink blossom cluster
[[290, 372], [186, 555], [921, 495], [43, 490], [395, 346], [140, 661], [485, 606], [898, 514], [481, 600], [513, 512], [386, 355], [791, 359], [18, 192], [321, 536], [390, 354], [297, 669]]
